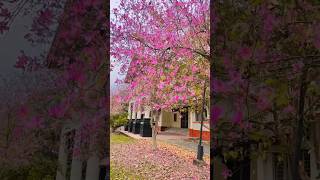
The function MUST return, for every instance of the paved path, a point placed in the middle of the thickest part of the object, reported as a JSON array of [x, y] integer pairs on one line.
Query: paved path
[[178, 140]]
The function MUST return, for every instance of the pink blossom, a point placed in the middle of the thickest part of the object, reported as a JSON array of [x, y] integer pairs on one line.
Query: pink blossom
[[3, 27], [161, 85], [5, 13], [35, 122], [263, 101], [57, 111], [22, 62], [245, 52], [226, 173], [269, 23], [289, 109], [216, 112], [45, 17], [297, 66], [219, 86], [316, 39], [237, 117], [23, 111]]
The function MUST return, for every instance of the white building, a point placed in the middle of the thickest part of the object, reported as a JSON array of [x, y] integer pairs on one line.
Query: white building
[[186, 119], [70, 165], [270, 167]]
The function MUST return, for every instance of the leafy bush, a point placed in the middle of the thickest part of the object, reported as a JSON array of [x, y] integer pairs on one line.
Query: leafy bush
[[118, 120]]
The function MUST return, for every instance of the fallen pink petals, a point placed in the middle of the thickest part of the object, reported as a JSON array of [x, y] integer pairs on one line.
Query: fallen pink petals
[[167, 162]]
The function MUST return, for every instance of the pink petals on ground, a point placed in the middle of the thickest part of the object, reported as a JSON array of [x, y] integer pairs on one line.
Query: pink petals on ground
[[167, 162]]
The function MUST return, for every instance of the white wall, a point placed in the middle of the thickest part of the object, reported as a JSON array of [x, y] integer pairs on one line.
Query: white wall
[[265, 168], [167, 119], [193, 124]]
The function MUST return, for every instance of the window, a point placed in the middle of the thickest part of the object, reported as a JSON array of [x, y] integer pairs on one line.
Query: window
[[69, 150], [206, 113], [306, 161], [175, 117], [103, 175], [83, 170], [131, 107], [278, 167], [199, 117]]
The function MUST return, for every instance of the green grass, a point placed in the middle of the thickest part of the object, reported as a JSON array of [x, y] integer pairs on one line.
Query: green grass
[[118, 173], [119, 138]]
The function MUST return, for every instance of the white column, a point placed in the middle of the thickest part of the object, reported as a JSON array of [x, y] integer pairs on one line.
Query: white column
[[92, 171], [313, 165], [62, 160], [93, 168], [265, 168], [76, 166]]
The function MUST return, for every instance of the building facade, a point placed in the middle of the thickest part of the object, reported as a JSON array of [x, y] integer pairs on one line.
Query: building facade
[[272, 165], [70, 165], [186, 118]]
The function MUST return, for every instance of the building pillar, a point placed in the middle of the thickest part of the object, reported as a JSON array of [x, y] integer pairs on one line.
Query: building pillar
[[264, 168], [62, 160], [313, 165], [93, 168], [93, 162], [76, 166]]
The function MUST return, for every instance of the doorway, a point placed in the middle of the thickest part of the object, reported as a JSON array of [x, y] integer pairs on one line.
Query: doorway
[[184, 119]]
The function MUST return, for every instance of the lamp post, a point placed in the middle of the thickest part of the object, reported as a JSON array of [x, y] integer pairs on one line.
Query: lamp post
[[200, 147]]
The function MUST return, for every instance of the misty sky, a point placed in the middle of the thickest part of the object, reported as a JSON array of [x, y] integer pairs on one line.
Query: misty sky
[[13, 41], [114, 74]]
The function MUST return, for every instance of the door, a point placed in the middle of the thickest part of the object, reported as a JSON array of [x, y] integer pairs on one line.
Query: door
[[103, 173], [184, 119], [240, 169]]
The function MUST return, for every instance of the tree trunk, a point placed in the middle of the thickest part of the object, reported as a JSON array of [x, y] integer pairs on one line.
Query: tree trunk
[[299, 128], [154, 130]]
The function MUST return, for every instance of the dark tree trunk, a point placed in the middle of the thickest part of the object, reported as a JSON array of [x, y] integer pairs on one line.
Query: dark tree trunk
[[299, 128]]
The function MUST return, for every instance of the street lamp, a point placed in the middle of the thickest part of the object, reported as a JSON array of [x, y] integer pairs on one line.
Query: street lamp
[[200, 147]]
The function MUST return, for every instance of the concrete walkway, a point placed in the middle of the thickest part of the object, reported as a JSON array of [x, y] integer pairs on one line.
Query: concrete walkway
[[180, 140]]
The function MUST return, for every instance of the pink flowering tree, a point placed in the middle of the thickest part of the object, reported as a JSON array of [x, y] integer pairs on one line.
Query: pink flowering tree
[[118, 109], [76, 64], [265, 88], [26, 133], [163, 47]]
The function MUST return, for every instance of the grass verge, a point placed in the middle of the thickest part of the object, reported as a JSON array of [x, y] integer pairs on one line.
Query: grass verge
[[118, 173], [120, 138]]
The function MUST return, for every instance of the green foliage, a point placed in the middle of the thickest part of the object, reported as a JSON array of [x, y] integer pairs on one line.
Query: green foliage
[[41, 167], [118, 120], [118, 139]]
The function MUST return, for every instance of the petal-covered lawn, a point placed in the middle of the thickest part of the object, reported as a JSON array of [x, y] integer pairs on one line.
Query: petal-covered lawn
[[167, 162]]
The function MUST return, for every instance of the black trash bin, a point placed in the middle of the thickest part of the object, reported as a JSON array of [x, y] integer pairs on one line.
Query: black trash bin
[[126, 127], [130, 126], [136, 126], [145, 128]]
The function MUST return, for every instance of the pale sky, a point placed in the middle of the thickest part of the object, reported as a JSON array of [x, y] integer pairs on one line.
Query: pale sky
[[114, 74], [13, 41]]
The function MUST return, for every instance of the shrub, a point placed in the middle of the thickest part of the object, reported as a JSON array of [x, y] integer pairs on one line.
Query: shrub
[[118, 120]]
